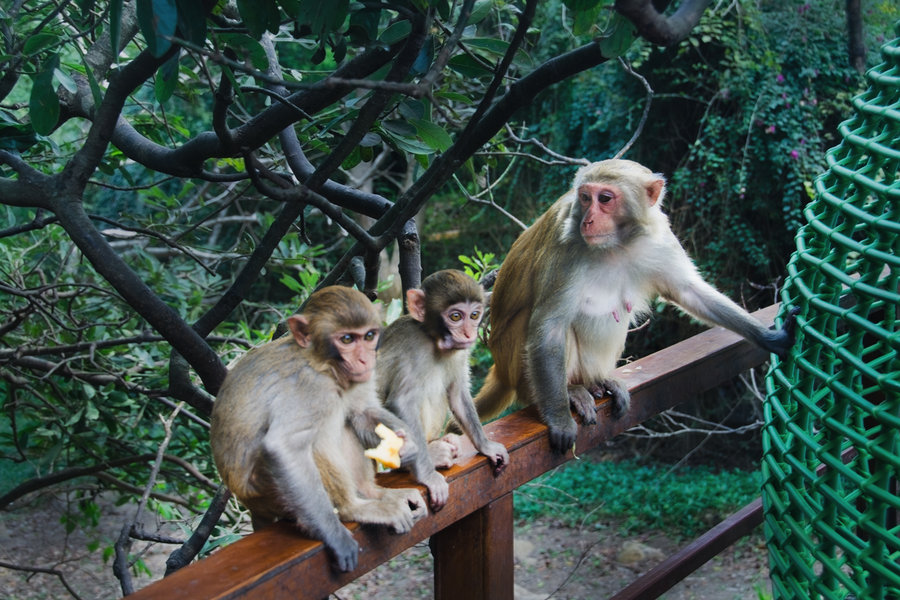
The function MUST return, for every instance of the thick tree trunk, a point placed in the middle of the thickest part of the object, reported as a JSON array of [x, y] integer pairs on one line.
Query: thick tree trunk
[[856, 47]]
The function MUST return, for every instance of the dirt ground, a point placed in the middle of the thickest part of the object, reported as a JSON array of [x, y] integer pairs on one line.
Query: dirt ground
[[551, 562]]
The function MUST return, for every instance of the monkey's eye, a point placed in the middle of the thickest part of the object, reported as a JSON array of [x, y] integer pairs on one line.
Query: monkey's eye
[[584, 198], [475, 315], [346, 338], [604, 197], [370, 335], [455, 316]]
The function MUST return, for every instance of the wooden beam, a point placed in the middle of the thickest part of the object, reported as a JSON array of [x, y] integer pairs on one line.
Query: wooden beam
[[280, 562], [664, 576], [473, 558]]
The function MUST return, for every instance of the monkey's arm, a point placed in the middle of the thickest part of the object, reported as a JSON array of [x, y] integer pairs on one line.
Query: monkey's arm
[[463, 409], [682, 285], [364, 421], [546, 372], [289, 452], [407, 406]]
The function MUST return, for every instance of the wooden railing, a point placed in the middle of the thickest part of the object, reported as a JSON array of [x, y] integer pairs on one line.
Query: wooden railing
[[472, 536]]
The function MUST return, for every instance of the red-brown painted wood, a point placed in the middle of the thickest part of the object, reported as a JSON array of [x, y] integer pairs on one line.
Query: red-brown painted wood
[[655, 582], [473, 558], [279, 562]]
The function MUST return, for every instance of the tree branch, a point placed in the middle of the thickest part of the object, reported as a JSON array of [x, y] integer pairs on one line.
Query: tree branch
[[658, 29]]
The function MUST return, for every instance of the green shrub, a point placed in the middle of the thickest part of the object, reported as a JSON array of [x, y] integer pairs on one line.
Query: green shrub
[[640, 496]]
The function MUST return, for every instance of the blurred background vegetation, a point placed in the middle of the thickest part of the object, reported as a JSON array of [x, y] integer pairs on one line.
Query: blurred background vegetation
[[740, 117]]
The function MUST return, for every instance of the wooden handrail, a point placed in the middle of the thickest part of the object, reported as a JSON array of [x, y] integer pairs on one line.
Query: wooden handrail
[[279, 562]]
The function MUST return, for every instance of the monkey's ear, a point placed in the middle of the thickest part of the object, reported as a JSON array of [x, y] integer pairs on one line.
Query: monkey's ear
[[655, 190], [299, 326], [415, 302]]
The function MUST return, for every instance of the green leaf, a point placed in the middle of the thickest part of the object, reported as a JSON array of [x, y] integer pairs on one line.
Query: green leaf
[[192, 20], [246, 47], [396, 32], [407, 144], [115, 24], [363, 27], [291, 283], [325, 16], [38, 42], [166, 79], [157, 20], [64, 79], [481, 10], [399, 127], [586, 20], [291, 7], [617, 37], [454, 97], [579, 5], [259, 16], [43, 105], [467, 66], [433, 135], [17, 137]]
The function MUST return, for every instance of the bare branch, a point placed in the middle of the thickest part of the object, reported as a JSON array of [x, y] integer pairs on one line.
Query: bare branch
[[658, 29]]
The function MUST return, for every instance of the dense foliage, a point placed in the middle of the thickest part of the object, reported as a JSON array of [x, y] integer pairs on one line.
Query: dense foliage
[[683, 503], [176, 176]]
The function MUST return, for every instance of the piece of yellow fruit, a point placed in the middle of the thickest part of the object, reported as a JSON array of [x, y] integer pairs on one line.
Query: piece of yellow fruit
[[388, 451]]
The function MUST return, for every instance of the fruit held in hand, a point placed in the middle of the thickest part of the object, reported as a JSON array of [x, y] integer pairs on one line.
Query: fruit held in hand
[[388, 451]]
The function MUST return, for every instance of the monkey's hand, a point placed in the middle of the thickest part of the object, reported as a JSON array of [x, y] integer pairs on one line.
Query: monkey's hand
[[562, 438], [388, 451], [438, 489], [444, 451], [780, 342], [344, 548], [497, 454]]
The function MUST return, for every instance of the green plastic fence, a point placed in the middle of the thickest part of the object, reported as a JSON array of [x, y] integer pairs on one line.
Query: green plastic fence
[[832, 435]]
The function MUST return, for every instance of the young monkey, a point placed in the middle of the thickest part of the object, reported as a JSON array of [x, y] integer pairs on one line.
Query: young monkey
[[423, 368], [293, 417]]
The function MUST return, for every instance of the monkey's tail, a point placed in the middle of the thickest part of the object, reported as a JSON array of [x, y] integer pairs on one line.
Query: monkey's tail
[[494, 397]]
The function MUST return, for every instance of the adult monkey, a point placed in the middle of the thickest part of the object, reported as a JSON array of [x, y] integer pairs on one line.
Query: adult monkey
[[423, 369], [570, 286], [291, 420]]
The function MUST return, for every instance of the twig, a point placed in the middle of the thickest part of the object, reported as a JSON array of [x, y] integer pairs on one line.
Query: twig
[[60, 574], [640, 127], [123, 544]]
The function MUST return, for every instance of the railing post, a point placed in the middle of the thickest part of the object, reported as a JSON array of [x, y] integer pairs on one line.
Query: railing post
[[473, 558]]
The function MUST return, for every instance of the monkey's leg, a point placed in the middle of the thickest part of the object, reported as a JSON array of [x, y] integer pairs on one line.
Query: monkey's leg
[[389, 510], [619, 397], [582, 402]]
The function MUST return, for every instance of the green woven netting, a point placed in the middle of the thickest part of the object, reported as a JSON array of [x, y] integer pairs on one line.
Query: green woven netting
[[832, 435]]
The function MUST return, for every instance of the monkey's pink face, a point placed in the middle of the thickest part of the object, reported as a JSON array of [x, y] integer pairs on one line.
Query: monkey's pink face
[[461, 320], [599, 204], [357, 349]]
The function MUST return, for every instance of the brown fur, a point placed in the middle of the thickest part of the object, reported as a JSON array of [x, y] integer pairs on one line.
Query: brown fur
[[574, 281], [288, 428]]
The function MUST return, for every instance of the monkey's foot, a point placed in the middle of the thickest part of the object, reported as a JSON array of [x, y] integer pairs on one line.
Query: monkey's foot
[[619, 398], [444, 451], [343, 547], [438, 489], [497, 455], [583, 403]]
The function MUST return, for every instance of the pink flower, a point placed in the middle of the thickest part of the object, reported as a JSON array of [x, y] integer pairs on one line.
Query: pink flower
[[795, 155], [770, 129], [779, 78]]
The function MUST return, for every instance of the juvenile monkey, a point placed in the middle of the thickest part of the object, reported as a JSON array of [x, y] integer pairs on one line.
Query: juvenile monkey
[[291, 421], [574, 281], [423, 368]]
